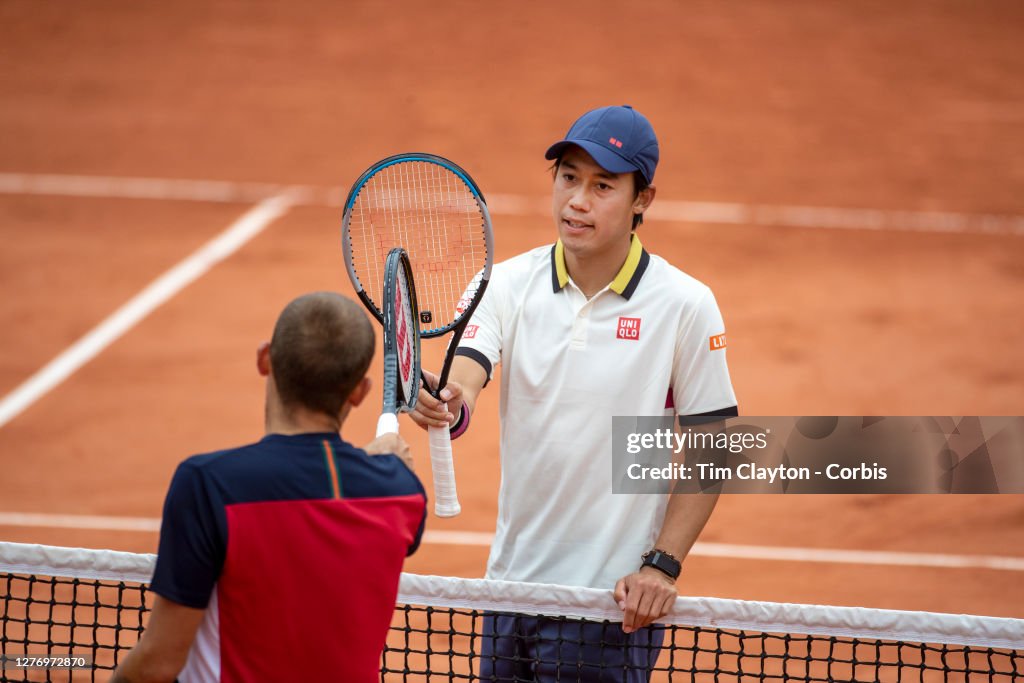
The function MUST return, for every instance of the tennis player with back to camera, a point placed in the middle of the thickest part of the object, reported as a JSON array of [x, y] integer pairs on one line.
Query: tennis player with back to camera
[[590, 327], [280, 560]]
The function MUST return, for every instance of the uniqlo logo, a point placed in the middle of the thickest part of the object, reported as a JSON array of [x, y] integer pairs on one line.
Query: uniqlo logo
[[629, 328], [470, 331]]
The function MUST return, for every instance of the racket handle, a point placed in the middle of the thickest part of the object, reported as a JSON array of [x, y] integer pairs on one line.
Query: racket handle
[[387, 424], [447, 497]]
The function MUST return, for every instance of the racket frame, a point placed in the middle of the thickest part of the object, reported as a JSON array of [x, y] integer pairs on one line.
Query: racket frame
[[458, 324], [447, 502], [397, 266]]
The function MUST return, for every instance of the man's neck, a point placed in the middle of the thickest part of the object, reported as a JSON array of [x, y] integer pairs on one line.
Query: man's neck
[[592, 274], [298, 421]]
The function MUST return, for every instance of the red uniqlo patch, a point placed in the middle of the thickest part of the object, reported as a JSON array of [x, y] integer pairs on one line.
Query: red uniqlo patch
[[629, 328], [470, 331]]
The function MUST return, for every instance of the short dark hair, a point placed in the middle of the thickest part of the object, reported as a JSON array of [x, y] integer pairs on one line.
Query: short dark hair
[[322, 347], [639, 185]]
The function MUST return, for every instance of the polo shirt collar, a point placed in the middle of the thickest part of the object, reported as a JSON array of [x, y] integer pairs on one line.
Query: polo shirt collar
[[625, 282]]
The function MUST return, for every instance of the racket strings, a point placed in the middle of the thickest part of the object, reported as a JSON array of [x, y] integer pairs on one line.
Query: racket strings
[[434, 215]]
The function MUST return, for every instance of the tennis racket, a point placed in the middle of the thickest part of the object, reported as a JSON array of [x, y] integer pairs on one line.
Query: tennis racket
[[401, 340], [434, 210]]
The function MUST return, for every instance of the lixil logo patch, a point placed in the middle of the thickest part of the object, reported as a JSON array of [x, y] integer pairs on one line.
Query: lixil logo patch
[[718, 342], [629, 328]]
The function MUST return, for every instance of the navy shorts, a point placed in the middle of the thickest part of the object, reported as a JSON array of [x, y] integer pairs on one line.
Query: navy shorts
[[542, 649]]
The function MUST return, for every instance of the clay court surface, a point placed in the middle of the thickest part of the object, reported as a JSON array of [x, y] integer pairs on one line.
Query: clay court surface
[[914, 111]]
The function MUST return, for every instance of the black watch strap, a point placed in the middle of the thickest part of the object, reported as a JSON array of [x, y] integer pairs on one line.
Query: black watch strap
[[663, 562]]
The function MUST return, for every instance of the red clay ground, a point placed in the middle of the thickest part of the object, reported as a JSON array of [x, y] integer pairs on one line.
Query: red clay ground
[[913, 106]]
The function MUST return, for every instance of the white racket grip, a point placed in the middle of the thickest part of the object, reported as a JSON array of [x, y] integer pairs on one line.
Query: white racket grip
[[387, 424], [446, 503]]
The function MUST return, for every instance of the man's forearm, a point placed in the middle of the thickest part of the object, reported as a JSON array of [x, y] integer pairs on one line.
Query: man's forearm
[[163, 649], [685, 517], [141, 666], [124, 674], [471, 377]]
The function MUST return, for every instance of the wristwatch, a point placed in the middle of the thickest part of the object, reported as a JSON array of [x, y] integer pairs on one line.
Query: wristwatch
[[663, 562]]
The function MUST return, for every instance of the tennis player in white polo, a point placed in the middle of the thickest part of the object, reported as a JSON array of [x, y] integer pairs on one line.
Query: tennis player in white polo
[[585, 329]]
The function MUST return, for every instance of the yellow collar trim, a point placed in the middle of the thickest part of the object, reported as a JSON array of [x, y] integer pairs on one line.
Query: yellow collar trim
[[622, 280], [625, 275], [561, 272]]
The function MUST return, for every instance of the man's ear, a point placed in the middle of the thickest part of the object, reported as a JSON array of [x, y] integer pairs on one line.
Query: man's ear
[[263, 359], [360, 392], [644, 199]]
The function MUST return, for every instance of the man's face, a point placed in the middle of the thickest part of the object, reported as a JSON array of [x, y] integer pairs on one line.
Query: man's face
[[593, 209]]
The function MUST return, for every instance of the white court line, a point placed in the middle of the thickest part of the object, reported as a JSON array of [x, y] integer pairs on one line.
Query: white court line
[[250, 224], [483, 539], [92, 522], [109, 187], [880, 557], [678, 211]]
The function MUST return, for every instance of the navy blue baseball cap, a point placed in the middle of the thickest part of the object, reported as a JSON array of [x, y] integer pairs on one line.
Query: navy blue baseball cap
[[620, 139]]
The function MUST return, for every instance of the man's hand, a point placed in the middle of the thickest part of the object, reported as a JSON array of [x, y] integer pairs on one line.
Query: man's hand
[[430, 412], [644, 597], [391, 443]]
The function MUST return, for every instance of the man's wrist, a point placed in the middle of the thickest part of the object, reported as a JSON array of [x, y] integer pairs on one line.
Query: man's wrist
[[662, 561], [461, 424]]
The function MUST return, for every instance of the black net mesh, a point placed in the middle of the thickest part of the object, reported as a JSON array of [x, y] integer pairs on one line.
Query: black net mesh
[[89, 624]]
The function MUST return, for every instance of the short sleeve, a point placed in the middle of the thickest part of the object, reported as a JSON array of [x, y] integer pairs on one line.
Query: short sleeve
[[481, 340], [700, 373], [417, 528], [192, 543], [418, 534]]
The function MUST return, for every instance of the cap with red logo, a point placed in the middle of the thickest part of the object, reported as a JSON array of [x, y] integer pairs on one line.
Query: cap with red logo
[[620, 139]]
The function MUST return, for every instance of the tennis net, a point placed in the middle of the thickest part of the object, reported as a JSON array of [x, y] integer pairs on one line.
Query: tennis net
[[87, 608]]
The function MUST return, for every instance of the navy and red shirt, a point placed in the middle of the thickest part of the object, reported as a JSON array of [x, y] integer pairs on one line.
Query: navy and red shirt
[[294, 546]]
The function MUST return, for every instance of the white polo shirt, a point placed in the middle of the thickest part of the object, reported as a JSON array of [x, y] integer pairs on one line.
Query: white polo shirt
[[652, 339]]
